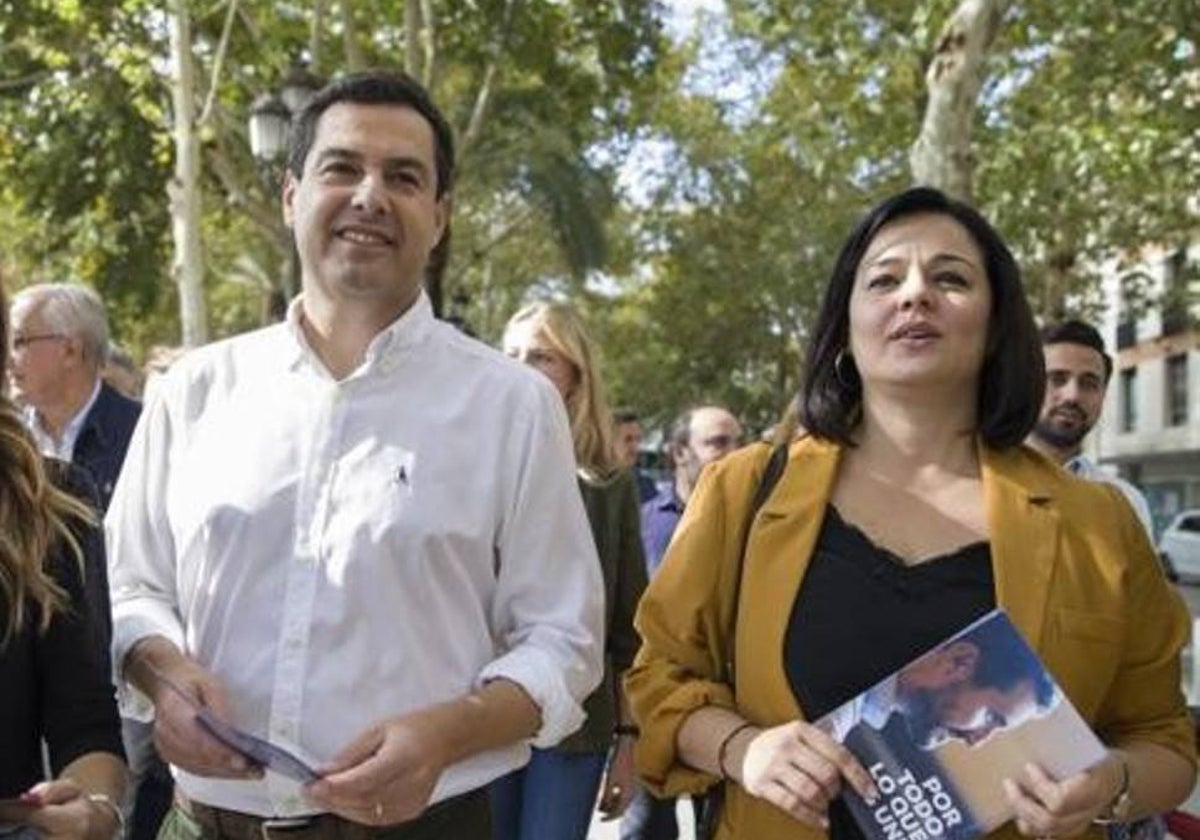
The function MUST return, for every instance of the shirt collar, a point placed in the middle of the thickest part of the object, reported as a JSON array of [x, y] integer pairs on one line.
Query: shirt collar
[[384, 351], [667, 499], [1079, 465], [64, 447]]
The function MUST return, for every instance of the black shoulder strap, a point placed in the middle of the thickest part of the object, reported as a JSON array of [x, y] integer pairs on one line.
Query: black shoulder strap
[[770, 477]]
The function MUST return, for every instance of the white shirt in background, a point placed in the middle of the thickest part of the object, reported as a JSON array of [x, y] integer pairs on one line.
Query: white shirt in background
[[1084, 467]]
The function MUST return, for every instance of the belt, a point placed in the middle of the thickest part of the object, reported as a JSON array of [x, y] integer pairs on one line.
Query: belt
[[235, 825]]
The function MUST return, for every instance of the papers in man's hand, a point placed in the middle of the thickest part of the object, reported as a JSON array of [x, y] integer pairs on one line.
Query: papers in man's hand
[[259, 751]]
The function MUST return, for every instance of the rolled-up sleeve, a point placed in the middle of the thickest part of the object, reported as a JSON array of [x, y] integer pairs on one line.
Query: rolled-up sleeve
[[684, 621], [1146, 701], [548, 608], [141, 553]]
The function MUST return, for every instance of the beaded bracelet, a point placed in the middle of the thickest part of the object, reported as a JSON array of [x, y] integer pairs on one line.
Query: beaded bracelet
[[721, 750]]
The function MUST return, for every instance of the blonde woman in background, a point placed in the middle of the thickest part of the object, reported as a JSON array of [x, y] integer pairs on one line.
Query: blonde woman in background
[[54, 664], [553, 796]]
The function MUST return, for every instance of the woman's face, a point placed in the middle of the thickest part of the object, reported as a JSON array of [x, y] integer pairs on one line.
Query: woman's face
[[920, 305], [524, 342]]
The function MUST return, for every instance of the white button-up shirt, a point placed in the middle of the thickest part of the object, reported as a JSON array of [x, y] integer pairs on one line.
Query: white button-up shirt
[[63, 448], [1084, 467], [342, 552]]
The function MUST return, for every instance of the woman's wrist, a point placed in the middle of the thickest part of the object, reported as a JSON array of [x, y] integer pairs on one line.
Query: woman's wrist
[[732, 750], [105, 820]]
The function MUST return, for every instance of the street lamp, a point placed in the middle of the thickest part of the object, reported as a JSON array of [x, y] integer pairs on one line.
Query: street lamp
[[270, 117]]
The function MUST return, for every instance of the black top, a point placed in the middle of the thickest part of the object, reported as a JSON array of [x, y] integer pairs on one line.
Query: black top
[[862, 614], [58, 684]]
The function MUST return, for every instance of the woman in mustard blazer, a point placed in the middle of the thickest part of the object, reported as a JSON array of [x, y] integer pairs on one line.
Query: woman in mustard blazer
[[908, 509]]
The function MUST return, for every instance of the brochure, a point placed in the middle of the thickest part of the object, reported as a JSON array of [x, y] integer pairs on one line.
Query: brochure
[[940, 735]]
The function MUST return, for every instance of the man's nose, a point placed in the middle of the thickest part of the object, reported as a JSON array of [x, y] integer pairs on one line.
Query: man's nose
[[368, 194]]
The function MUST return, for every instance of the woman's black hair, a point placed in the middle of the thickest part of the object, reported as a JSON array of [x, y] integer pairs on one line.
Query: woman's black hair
[[1013, 379]]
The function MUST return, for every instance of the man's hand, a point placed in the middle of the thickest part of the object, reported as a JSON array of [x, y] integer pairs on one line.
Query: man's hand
[[1046, 808], [798, 768], [178, 686], [387, 774]]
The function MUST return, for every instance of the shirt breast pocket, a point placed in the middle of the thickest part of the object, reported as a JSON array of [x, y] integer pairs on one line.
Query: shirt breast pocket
[[376, 489]]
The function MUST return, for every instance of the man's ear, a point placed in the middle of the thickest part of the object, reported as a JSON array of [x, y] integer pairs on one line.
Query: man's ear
[[961, 658], [288, 195], [445, 206]]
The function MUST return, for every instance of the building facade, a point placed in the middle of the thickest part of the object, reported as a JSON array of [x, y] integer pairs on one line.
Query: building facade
[[1151, 427]]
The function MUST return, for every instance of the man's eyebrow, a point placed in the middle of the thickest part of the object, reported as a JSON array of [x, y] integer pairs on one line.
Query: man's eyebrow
[[338, 153]]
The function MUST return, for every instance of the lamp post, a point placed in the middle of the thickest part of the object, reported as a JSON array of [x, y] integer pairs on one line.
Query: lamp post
[[270, 117]]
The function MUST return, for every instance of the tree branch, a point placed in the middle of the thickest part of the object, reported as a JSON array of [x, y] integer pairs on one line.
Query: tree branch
[[487, 86], [941, 156], [215, 80]]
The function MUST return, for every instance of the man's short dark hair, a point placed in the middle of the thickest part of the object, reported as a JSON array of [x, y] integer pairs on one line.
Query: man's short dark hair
[[374, 87], [1078, 332], [621, 416], [1003, 665], [1012, 380]]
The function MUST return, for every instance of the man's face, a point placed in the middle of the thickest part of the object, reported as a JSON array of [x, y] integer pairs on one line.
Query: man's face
[[365, 211], [714, 433], [942, 701], [971, 713], [629, 438], [1074, 394], [39, 358]]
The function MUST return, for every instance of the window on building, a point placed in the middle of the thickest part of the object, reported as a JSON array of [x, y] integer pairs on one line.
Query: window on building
[[1177, 390], [1129, 399], [1175, 315]]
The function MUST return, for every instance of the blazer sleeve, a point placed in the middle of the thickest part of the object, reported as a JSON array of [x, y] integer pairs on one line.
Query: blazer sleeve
[[684, 620], [1145, 702]]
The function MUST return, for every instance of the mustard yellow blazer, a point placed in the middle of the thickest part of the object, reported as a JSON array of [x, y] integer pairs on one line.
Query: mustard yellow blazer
[[1072, 566]]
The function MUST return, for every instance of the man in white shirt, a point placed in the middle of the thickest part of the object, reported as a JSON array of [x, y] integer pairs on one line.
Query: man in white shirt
[[1077, 374], [357, 533]]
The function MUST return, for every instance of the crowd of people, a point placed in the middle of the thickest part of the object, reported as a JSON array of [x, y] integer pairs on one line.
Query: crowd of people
[[433, 574]]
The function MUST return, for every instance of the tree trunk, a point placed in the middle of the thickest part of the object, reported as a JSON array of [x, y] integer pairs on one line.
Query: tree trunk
[[354, 54], [412, 38], [184, 189], [942, 155]]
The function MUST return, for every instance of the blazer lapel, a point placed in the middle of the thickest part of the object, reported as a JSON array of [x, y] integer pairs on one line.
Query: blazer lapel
[[1024, 531], [777, 555]]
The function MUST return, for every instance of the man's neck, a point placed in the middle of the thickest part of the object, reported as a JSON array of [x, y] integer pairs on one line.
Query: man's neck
[[340, 334], [1055, 453], [683, 488], [55, 415]]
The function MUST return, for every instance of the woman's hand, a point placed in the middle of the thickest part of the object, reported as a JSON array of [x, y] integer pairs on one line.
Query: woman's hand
[[63, 812], [796, 767], [617, 788], [1046, 808]]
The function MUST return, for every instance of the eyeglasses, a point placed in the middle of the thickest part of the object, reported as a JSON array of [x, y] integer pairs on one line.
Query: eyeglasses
[[20, 342]]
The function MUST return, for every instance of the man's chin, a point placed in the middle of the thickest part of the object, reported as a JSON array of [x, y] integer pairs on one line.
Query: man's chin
[[1059, 437]]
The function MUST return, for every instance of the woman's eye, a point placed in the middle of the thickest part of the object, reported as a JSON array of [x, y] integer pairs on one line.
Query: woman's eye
[[950, 278], [881, 281]]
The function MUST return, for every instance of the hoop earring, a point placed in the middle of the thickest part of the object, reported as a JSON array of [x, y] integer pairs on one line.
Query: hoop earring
[[839, 362]]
